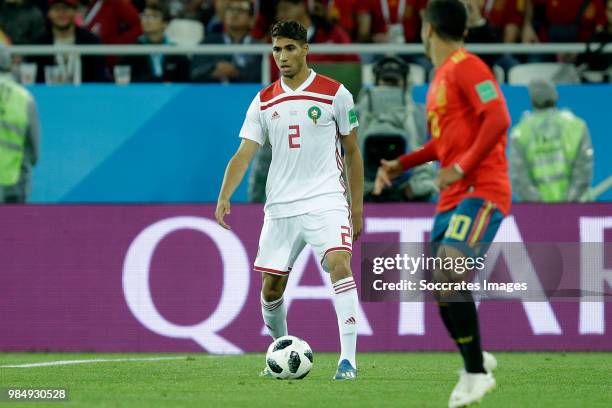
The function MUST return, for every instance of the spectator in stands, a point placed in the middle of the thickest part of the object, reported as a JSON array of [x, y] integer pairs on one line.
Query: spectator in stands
[[319, 29], [215, 24], [238, 21], [569, 20], [21, 21], [550, 151], [595, 59], [64, 31], [190, 9], [481, 31], [391, 124], [395, 21], [264, 20], [505, 17], [530, 22], [345, 13], [341, 12], [156, 67], [19, 135], [113, 21], [392, 21]]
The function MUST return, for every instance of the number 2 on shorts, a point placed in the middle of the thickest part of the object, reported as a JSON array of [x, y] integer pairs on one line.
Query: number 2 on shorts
[[345, 234]]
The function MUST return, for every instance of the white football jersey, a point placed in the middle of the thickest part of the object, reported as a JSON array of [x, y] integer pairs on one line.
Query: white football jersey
[[304, 128]]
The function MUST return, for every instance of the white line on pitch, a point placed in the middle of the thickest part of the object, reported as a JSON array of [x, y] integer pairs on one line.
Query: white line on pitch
[[98, 360]]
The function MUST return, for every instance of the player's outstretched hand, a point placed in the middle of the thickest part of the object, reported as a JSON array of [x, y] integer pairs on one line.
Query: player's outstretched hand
[[388, 170], [223, 207]]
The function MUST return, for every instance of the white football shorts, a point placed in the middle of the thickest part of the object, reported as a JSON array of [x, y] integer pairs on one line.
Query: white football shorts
[[283, 239]]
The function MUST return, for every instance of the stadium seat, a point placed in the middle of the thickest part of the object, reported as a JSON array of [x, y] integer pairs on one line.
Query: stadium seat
[[185, 32], [349, 73], [367, 74], [594, 77], [418, 76], [499, 73], [557, 72]]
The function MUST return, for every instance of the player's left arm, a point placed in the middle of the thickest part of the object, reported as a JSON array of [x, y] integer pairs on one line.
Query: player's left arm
[[354, 166], [483, 93], [347, 124]]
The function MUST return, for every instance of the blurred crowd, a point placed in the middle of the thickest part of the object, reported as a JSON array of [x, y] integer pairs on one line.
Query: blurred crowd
[[551, 152], [248, 21]]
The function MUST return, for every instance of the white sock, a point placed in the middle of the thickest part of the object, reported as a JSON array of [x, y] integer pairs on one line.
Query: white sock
[[345, 303], [275, 317]]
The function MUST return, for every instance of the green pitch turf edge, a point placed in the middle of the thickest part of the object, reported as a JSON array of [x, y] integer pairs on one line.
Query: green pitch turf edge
[[385, 380]]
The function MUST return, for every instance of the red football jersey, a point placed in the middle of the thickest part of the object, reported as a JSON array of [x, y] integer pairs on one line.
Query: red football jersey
[[500, 13], [468, 121]]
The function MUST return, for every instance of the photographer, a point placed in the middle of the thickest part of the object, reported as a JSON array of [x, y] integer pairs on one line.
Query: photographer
[[391, 124]]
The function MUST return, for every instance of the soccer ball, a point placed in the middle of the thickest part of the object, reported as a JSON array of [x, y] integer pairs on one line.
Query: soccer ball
[[289, 358]]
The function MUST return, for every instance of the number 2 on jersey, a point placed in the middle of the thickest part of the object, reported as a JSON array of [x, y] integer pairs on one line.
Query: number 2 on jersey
[[292, 136]]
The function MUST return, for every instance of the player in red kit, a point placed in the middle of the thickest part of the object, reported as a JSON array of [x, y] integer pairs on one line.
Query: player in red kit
[[468, 121]]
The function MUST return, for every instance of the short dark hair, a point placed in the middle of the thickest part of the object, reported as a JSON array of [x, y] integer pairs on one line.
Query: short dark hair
[[161, 7], [289, 29], [448, 18], [544, 105]]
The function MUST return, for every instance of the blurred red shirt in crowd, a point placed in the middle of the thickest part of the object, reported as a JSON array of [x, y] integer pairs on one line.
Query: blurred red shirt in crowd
[[114, 21], [564, 12], [500, 13], [342, 12], [388, 13]]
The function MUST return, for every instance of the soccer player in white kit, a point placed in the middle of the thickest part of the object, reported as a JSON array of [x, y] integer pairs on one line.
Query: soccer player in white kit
[[308, 119]]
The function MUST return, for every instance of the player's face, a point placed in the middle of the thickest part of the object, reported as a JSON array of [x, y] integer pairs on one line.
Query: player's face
[[289, 55], [426, 34]]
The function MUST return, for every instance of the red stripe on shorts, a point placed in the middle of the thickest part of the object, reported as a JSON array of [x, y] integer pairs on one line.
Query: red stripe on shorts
[[268, 270]]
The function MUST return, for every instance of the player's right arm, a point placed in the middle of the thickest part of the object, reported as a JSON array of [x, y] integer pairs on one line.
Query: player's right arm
[[234, 173], [252, 136], [391, 169]]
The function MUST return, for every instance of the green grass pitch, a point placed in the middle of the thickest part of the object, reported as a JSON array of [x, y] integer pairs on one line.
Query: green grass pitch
[[385, 380]]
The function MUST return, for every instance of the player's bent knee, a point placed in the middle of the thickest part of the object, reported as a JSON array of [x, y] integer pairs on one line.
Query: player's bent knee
[[339, 264], [273, 287], [270, 295]]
